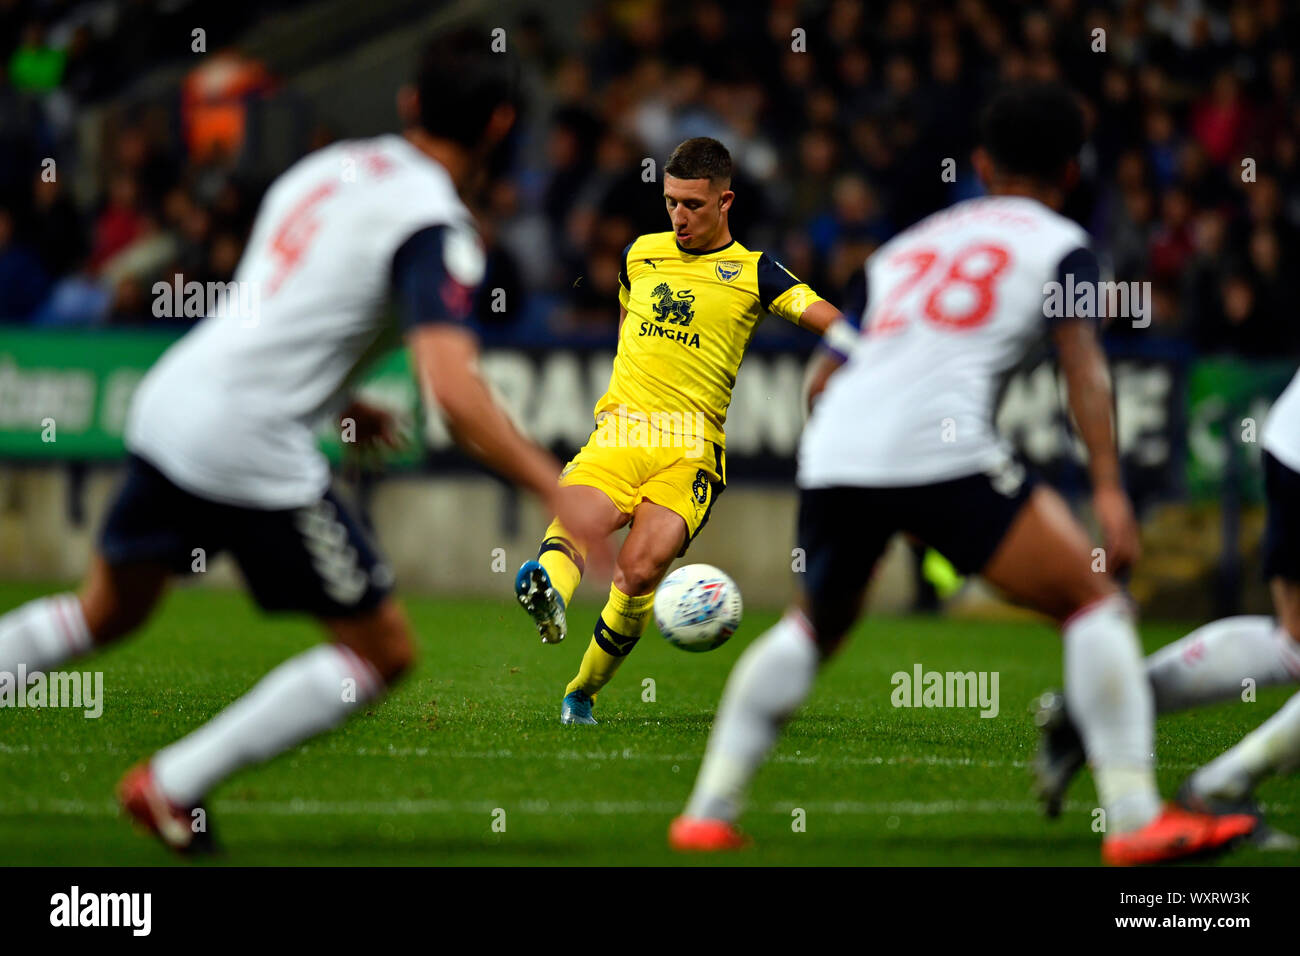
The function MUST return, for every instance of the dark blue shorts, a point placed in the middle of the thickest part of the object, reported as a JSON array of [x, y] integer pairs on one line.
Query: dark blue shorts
[[1282, 532], [317, 559], [844, 530]]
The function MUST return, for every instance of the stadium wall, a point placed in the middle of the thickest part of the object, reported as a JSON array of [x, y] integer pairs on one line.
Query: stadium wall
[[1188, 436], [456, 535]]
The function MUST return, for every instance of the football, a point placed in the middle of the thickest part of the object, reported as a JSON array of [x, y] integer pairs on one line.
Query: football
[[697, 607]]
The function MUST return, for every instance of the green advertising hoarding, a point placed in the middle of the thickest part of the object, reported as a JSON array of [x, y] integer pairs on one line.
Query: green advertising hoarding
[[81, 382], [64, 395], [1227, 402]]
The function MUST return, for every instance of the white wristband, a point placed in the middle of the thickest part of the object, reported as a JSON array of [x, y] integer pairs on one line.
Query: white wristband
[[840, 338]]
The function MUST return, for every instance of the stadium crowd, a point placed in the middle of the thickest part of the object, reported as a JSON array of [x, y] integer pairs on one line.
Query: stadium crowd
[[840, 130]]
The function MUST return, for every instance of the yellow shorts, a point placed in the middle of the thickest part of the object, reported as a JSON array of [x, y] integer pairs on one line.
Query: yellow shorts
[[685, 480]]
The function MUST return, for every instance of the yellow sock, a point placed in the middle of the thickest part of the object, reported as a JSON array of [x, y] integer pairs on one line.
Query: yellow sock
[[618, 628], [563, 560]]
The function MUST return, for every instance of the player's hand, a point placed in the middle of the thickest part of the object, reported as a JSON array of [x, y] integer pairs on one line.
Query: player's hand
[[565, 502], [1119, 527], [373, 427]]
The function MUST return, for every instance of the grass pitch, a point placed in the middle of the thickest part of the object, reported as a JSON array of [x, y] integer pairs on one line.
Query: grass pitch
[[473, 737]]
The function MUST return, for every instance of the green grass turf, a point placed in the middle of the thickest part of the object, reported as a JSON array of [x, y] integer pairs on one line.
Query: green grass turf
[[416, 779]]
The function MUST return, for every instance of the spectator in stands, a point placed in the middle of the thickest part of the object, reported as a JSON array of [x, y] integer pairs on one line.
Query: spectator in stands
[[58, 232], [119, 223], [1220, 120], [23, 282], [36, 67], [838, 131]]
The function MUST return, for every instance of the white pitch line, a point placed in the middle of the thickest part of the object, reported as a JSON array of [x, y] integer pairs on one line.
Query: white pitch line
[[913, 808], [526, 807], [905, 760]]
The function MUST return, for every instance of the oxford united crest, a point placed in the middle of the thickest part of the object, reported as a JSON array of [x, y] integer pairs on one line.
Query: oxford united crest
[[728, 270]]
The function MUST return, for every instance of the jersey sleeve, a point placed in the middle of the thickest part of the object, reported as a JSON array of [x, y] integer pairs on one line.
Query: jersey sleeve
[[780, 293], [624, 283], [1077, 269], [436, 276]]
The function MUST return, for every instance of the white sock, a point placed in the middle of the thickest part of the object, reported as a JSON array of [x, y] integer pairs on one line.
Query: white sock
[[43, 633], [304, 696], [1273, 747], [769, 682], [1109, 700], [1210, 663]]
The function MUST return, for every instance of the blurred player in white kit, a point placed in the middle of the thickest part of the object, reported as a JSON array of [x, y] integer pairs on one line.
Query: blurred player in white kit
[[1214, 662], [903, 439], [222, 442]]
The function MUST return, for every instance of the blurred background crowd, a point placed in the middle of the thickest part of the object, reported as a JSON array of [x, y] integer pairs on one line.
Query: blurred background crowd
[[131, 151]]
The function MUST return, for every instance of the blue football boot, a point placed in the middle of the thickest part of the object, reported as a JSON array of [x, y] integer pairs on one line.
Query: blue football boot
[[576, 708], [543, 604]]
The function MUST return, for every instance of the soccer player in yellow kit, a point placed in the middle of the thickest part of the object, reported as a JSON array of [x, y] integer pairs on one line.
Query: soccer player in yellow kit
[[689, 300]]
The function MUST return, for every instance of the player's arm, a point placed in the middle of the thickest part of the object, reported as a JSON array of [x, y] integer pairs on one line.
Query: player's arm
[[446, 363], [819, 317], [435, 277], [1092, 404], [781, 293], [821, 367], [839, 332]]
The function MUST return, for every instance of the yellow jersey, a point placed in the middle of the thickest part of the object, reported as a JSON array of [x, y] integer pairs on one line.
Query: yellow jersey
[[690, 316]]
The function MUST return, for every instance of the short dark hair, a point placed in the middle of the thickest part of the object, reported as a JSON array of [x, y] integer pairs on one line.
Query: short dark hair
[[700, 158], [1033, 130], [461, 81]]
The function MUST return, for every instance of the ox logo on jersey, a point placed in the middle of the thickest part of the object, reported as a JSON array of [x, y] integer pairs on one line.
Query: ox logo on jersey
[[728, 270], [677, 311]]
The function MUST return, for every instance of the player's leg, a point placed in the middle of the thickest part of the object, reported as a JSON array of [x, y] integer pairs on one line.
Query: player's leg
[[1203, 667], [545, 585], [1210, 663], [111, 603], [673, 496], [658, 535], [315, 559], [149, 529], [1274, 747], [842, 534], [305, 696], [1045, 561], [605, 474]]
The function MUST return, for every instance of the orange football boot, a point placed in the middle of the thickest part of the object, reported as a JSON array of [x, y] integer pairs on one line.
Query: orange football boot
[[691, 835], [1176, 834]]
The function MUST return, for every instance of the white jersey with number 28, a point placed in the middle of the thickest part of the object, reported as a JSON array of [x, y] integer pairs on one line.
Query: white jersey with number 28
[[954, 304]]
